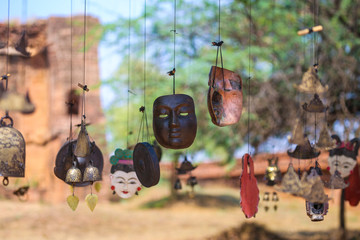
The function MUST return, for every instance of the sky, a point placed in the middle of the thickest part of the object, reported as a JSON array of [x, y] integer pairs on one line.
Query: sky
[[105, 10]]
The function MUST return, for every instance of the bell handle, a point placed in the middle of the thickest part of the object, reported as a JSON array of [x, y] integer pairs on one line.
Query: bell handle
[[6, 181], [310, 30], [3, 123]]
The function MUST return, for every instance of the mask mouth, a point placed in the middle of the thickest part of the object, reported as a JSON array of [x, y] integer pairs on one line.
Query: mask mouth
[[175, 133], [125, 192]]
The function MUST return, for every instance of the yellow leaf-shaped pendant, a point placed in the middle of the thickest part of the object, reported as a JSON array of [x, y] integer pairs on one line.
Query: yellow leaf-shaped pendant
[[72, 201], [91, 200], [97, 186]]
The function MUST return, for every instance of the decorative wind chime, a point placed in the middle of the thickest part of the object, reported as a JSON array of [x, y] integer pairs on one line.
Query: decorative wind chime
[[79, 162], [249, 191], [310, 186], [12, 147]]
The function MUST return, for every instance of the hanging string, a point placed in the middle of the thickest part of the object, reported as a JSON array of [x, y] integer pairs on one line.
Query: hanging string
[[219, 15], [71, 104], [128, 79], [145, 53], [249, 90], [172, 73], [84, 64], [7, 44]]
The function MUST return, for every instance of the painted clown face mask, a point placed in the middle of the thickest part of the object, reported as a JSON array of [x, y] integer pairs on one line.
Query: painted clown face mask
[[343, 157], [341, 163], [174, 121], [126, 184]]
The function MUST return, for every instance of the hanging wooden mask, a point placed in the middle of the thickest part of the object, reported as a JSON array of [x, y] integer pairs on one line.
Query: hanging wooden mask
[[249, 191], [174, 121], [146, 164], [224, 96], [343, 157], [12, 151], [124, 181], [65, 159], [272, 174], [316, 211]]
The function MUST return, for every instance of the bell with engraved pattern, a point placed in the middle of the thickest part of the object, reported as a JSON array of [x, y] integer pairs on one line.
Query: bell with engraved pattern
[[12, 151], [297, 134], [91, 173], [73, 175]]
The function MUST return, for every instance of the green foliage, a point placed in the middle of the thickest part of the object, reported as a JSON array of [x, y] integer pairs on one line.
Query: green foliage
[[278, 58]]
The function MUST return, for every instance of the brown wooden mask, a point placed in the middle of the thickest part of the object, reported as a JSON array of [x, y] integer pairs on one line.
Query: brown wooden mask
[[174, 121], [224, 96]]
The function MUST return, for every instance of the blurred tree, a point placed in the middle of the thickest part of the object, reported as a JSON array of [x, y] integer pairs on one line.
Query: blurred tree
[[278, 60]]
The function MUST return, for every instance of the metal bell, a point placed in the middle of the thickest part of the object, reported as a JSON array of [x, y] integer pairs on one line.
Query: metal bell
[[191, 181], [83, 142], [311, 83], [91, 173], [73, 175], [177, 184], [325, 141]]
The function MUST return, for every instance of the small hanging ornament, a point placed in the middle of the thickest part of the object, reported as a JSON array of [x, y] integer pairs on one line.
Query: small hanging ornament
[[91, 200], [272, 174], [311, 83], [315, 105], [249, 191], [297, 136], [317, 193], [336, 181], [290, 182], [325, 142], [186, 167], [83, 142], [304, 151], [316, 211], [73, 201], [124, 181]]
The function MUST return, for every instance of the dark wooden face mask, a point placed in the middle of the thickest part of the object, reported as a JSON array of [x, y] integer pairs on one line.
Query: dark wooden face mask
[[174, 121], [224, 96]]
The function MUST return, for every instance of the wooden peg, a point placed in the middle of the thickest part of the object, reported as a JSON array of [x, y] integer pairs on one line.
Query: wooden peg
[[310, 30], [83, 87]]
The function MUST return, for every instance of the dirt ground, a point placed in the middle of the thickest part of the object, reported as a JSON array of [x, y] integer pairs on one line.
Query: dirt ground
[[213, 210]]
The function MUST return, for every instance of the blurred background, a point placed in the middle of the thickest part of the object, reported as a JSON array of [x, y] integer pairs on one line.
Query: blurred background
[[267, 54]]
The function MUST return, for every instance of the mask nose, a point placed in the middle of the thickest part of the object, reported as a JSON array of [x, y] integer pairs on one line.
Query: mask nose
[[174, 120]]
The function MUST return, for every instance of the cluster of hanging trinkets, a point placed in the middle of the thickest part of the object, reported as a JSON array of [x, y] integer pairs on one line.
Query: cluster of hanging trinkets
[[80, 162], [185, 168], [342, 157], [12, 143]]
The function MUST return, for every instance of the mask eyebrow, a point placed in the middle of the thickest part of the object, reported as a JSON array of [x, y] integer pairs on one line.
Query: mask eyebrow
[[133, 178], [120, 178]]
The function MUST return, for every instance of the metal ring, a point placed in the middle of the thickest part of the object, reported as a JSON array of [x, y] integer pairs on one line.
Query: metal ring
[[3, 124], [5, 181]]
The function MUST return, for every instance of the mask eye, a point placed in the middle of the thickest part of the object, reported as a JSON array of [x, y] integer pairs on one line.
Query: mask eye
[[184, 114], [163, 115], [121, 182], [132, 182]]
